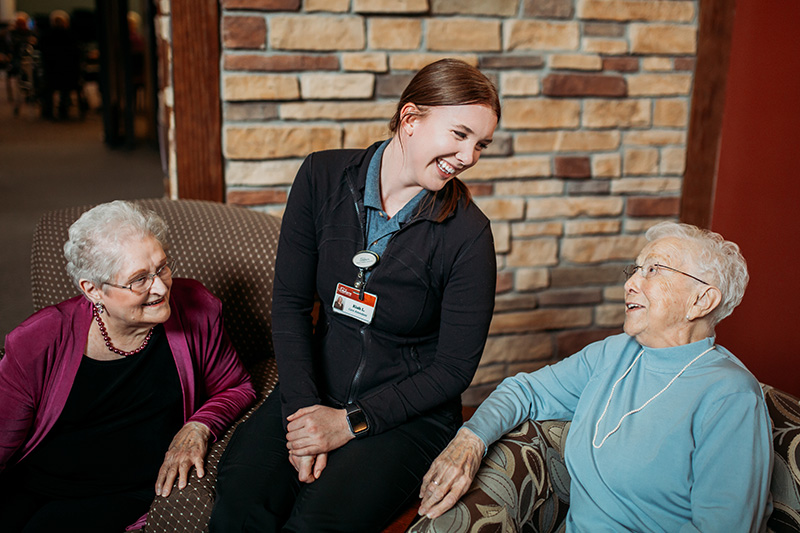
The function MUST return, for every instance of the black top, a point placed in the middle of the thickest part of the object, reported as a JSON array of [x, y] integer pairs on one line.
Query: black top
[[435, 286], [115, 428]]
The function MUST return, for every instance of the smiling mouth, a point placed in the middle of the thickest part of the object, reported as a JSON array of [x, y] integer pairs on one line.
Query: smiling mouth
[[445, 167], [632, 305], [156, 302]]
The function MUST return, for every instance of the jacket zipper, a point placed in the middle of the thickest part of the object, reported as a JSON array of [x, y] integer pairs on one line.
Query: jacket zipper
[[362, 361], [415, 358]]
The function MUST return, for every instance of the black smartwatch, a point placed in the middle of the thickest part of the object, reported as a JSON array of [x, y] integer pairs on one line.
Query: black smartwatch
[[357, 420]]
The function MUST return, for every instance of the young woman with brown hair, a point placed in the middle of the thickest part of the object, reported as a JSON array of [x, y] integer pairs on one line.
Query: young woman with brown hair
[[370, 394]]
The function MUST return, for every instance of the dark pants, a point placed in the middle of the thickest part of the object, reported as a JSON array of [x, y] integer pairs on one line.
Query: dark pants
[[64, 101], [25, 511], [364, 485]]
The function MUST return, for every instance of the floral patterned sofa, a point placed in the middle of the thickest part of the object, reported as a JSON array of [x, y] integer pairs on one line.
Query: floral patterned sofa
[[523, 484]]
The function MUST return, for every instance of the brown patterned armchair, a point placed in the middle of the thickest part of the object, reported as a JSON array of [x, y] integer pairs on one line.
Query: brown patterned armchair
[[523, 484], [231, 250]]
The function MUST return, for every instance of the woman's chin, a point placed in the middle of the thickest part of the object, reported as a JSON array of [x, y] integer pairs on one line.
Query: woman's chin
[[158, 313]]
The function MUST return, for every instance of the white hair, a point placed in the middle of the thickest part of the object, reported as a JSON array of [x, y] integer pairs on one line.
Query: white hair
[[719, 262], [97, 238]]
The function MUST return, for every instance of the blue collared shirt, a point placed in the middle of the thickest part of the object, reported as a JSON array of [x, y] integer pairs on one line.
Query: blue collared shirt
[[379, 226]]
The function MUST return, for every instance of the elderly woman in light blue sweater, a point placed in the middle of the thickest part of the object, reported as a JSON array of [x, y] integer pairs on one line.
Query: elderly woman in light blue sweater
[[669, 431]]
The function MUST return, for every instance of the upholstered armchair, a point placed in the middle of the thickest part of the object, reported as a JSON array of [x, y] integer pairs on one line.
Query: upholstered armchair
[[231, 250], [523, 484]]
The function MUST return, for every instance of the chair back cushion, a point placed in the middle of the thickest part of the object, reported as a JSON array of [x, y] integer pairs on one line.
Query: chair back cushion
[[784, 410], [231, 250]]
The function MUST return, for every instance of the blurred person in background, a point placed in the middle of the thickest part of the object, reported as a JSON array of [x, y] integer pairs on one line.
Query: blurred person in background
[[17, 46], [61, 61]]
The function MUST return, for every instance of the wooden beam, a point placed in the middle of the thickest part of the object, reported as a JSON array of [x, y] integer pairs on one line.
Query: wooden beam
[[198, 117], [708, 106]]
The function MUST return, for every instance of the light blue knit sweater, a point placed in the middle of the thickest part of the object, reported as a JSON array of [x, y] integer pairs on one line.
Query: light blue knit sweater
[[698, 457]]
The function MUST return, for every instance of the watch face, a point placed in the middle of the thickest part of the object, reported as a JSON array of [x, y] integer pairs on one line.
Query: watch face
[[358, 421], [360, 426]]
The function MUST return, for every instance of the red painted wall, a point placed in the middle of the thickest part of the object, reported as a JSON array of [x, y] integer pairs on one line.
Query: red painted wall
[[758, 188]]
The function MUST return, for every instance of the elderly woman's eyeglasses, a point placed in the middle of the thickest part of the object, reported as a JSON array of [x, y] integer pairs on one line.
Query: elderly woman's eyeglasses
[[650, 270], [143, 283]]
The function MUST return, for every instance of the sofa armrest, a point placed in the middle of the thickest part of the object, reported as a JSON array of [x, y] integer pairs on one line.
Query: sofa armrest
[[784, 410], [522, 482], [189, 510]]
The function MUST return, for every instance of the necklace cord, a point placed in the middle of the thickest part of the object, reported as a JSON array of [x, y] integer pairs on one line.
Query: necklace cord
[[597, 426]]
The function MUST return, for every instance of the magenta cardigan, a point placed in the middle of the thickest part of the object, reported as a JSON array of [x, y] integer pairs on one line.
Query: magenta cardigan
[[44, 352]]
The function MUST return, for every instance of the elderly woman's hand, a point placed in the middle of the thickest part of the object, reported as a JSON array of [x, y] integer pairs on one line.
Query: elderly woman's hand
[[188, 448], [451, 474]]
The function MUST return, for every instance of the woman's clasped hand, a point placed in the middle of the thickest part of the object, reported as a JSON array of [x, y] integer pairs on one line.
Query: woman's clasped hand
[[311, 433]]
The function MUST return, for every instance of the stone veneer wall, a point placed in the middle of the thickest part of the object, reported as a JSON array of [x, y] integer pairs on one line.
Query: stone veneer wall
[[590, 151]]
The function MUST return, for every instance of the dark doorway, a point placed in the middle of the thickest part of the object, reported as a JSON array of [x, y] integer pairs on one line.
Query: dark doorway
[[127, 70], [74, 161]]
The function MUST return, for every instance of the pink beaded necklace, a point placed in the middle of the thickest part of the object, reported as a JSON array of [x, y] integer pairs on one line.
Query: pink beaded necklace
[[107, 339]]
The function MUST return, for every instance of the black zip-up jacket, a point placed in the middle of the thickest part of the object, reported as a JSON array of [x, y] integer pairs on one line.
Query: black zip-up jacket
[[435, 287]]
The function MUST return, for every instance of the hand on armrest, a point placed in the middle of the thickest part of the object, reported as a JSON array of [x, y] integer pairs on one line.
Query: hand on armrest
[[451, 474], [188, 449]]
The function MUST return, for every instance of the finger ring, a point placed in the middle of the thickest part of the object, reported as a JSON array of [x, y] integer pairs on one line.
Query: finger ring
[[435, 482]]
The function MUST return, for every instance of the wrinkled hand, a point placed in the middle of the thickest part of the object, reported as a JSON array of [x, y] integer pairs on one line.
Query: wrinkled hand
[[317, 429], [188, 448], [309, 467], [451, 474]]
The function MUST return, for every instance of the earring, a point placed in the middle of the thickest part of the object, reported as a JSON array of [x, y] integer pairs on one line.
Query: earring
[[99, 307], [687, 318]]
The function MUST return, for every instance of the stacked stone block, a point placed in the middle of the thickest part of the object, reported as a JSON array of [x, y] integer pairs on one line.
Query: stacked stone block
[[590, 151]]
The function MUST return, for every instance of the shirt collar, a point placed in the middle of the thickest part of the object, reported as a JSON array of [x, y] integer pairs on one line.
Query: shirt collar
[[675, 357], [372, 190]]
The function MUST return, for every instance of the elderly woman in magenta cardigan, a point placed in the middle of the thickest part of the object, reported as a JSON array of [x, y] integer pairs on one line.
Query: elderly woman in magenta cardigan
[[669, 431], [115, 392]]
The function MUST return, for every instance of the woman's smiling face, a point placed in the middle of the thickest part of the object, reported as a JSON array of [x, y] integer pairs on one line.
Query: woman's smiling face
[[656, 307], [447, 140], [128, 309]]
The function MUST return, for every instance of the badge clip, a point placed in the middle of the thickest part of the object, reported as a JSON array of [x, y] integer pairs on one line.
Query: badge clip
[[365, 260]]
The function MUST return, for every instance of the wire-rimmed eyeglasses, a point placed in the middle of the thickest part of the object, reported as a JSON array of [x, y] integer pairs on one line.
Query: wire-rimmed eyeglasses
[[143, 283], [649, 270]]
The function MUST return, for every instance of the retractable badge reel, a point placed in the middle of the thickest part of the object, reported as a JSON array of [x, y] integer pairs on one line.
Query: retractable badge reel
[[354, 301], [365, 260]]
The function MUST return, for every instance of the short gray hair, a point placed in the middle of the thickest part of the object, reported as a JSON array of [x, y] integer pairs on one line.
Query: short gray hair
[[99, 235], [719, 261]]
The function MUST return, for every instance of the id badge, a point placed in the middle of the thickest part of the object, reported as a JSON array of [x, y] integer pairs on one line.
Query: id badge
[[346, 302]]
